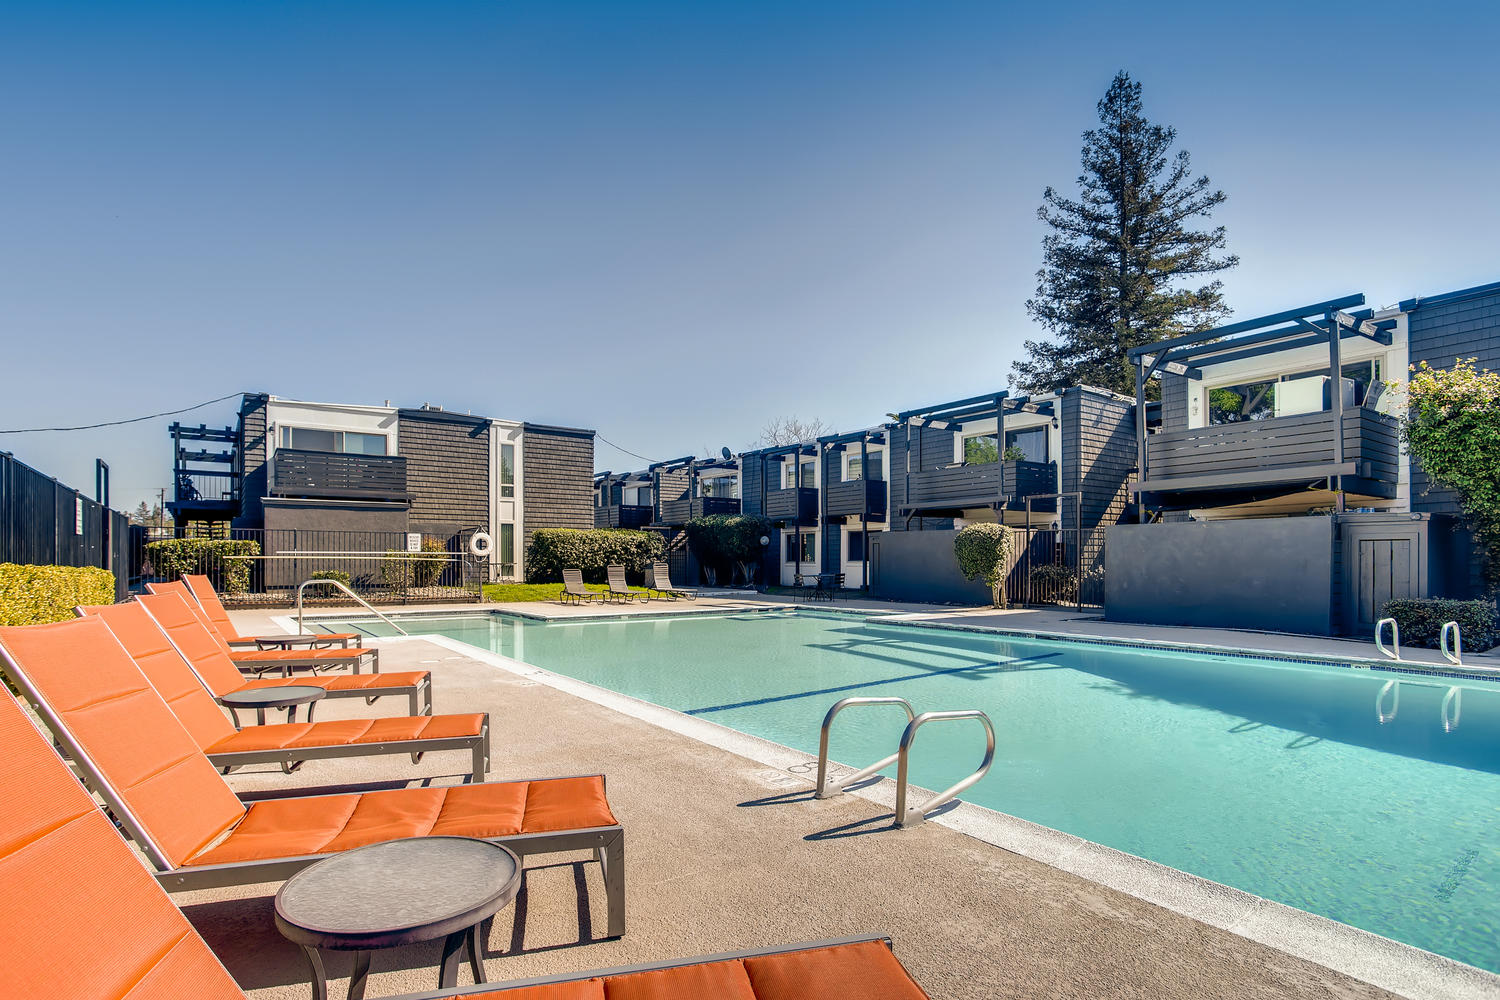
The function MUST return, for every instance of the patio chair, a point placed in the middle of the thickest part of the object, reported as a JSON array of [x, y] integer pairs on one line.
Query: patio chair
[[172, 801], [617, 588], [189, 634], [72, 880], [574, 590], [661, 583], [286, 744], [261, 660], [202, 590]]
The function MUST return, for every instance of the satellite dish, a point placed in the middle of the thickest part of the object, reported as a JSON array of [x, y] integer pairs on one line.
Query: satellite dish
[[726, 453]]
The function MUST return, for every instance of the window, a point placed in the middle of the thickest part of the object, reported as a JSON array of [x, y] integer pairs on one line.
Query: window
[[789, 474], [855, 466], [1230, 404], [1031, 441], [854, 549], [507, 470], [809, 551], [507, 549], [980, 449], [719, 486], [636, 496], [342, 442]]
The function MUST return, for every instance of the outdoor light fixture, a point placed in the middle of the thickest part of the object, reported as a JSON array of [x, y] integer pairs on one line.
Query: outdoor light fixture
[[765, 540]]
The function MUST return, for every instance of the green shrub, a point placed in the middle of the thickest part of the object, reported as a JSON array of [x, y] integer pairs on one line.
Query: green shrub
[[213, 557], [1421, 621], [332, 574], [551, 550], [983, 551], [32, 595], [728, 541], [1054, 582], [1014, 454], [403, 571]]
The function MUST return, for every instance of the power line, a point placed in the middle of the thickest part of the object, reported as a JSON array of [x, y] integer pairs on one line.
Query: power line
[[627, 451], [117, 423]]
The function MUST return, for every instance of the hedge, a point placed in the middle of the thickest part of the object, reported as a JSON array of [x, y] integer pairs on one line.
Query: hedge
[[403, 571], [213, 557], [1421, 621], [32, 595], [551, 550]]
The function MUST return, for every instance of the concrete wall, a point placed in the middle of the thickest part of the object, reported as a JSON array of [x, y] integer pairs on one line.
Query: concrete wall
[[557, 469], [447, 470], [920, 566], [329, 526], [1274, 574]]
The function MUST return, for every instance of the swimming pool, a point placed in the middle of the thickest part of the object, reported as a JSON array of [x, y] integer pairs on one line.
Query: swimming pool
[[1370, 797]]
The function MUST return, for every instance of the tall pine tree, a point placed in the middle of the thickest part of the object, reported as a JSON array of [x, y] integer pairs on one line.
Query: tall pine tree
[[1119, 265]]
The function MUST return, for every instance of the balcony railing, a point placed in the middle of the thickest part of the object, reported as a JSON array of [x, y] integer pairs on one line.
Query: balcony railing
[[967, 487], [849, 499], [1280, 450], [620, 515], [676, 513], [332, 475], [793, 505]]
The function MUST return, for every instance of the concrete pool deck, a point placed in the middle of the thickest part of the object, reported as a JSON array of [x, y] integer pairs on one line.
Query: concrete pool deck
[[726, 852]]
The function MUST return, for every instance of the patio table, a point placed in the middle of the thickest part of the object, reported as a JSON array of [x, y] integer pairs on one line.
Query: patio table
[[261, 699], [395, 893]]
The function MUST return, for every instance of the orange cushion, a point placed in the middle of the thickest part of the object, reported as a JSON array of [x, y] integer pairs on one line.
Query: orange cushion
[[720, 980], [490, 809], [584, 989], [567, 804], [345, 682], [278, 655], [865, 969]]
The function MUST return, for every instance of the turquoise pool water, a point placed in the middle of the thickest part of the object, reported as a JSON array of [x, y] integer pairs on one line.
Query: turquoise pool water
[[1276, 778]]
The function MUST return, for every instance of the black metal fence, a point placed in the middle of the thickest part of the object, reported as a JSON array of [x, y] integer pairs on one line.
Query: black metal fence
[[266, 566], [44, 523], [1057, 567]]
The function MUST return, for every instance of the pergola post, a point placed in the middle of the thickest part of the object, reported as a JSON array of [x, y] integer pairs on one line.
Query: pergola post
[[1336, 405], [1140, 435]]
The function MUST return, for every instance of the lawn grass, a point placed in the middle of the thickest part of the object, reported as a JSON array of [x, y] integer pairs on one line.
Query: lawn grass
[[517, 593]]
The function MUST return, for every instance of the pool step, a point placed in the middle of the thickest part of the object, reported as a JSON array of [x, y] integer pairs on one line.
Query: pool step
[[905, 815]]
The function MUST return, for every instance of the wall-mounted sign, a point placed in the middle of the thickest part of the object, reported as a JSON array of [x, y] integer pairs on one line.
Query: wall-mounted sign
[[78, 515], [414, 541]]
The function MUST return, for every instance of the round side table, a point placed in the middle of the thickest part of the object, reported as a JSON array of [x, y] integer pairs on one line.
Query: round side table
[[260, 699], [395, 893]]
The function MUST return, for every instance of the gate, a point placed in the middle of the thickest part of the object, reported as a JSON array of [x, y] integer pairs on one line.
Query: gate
[[1057, 566]]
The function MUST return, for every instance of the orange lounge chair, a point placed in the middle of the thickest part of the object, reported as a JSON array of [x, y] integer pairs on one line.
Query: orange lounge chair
[[260, 660], [289, 744], [172, 801], [190, 635], [202, 589], [69, 879]]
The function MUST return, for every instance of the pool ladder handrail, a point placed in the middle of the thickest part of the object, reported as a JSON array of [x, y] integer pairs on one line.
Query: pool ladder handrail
[[1395, 651], [905, 817], [337, 584], [1453, 653]]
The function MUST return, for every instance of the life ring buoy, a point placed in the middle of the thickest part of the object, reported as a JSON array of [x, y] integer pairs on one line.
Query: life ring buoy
[[480, 544]]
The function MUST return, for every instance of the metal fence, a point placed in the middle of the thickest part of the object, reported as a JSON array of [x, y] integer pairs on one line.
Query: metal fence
[[1058, 566], [44, 523], [265, 566]]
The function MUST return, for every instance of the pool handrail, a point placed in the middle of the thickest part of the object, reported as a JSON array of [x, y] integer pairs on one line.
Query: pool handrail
[[338, 585], [912, 817], [1394, 652], [1454, 654], [823, 791]]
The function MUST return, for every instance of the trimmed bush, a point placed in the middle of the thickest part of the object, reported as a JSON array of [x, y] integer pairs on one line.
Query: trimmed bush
[[728, 542], [984, 551], [403, 571], [1422, 620], [213, 557], [551, 550], [34, 595]]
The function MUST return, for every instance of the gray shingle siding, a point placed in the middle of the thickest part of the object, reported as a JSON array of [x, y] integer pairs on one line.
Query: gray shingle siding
[[557, 468], [1098, 441], [447, 470], [1174, 406]]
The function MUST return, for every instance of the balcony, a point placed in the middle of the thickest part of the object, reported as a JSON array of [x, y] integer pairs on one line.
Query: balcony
[[676, 513], [856, 498], [792, 506], [1258, 459], [949, 491], [619, 515], [332, 475]]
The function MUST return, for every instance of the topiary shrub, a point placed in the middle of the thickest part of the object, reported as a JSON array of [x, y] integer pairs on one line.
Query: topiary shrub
[[983, 551], [1422, 619], [34, 595], [1054, 582], [403, 571], [213, 557], [551, 550], [728, 542]]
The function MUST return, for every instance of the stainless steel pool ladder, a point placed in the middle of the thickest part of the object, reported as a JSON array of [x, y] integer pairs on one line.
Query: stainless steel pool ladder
[[338, 585], [905, 816], [1452, 652], [1394, 652]]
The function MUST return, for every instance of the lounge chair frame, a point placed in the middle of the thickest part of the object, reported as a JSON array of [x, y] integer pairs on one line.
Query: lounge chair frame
[[581, 596], [484, 989], [622, 594], [607, 842], [669, 592], [289, 757]]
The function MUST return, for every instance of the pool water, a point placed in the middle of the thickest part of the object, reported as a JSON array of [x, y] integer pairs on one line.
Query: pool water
[[1277, 778]]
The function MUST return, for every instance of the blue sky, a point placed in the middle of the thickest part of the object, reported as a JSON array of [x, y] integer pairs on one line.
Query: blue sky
[[666, 221]]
